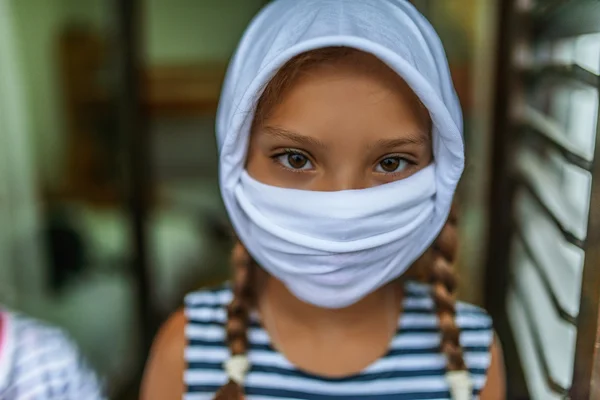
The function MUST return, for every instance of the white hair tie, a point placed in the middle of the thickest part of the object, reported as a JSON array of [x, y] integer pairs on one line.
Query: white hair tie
[[236, 368], [461, 387]]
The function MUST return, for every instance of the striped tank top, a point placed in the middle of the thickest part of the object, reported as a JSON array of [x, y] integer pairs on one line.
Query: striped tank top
[[40, 362], [412, 369]]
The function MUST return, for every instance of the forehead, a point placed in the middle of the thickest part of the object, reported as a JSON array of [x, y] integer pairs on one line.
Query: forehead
[[358, 94]]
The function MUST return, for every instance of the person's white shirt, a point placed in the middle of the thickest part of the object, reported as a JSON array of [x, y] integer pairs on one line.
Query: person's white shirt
[[40, 362]]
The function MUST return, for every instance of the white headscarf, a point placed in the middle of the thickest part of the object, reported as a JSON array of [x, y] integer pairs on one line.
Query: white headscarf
[[396, 33]]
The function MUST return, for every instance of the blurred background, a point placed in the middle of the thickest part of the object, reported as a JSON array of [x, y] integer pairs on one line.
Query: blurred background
[[109, 204]]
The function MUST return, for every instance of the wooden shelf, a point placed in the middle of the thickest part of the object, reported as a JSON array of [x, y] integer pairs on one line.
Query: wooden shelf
[[184, 90]]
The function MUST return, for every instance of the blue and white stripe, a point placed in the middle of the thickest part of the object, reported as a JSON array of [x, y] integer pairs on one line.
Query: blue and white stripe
[[39, 362], [413, 368]]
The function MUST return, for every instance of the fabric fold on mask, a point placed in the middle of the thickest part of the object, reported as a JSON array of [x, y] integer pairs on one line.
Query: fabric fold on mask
[[343, 221]]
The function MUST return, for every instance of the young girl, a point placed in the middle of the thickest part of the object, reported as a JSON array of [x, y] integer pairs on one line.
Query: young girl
[[39, 362], [340, 139]]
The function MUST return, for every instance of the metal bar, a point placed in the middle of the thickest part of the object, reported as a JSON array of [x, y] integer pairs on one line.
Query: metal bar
[[586, 377], [569, 236], [136, 146], [552, 133], [537, 342], [566, 154], [573, 72], [501, 187], [501, 194], [595, 379], [568, 18], [543, 8], [566, 316]]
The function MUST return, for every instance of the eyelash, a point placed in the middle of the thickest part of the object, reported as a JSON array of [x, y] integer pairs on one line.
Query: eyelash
[[288, 152], [410, 163]]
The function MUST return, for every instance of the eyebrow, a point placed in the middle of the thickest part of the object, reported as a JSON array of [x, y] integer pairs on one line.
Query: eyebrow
[[419, 139], [281, 133]]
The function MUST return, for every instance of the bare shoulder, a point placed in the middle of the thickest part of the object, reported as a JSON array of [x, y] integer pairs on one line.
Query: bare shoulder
[[163, 377], [495, 386]]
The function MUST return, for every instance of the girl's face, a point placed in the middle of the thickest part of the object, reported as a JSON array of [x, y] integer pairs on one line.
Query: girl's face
[[349, 125]]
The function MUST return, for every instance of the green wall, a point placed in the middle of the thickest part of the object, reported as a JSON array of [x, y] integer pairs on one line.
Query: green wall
[[191, 30], [177, 31], [36, 23]]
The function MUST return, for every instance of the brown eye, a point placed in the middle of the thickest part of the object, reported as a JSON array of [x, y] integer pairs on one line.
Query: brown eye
[[296, 161], [391, 164]]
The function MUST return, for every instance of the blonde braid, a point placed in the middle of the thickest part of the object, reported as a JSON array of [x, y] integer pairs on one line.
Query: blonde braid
[[238, 319], [443, 281]]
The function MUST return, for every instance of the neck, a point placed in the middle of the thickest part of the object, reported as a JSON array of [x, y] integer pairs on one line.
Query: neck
[[379, 309], [330, 342]]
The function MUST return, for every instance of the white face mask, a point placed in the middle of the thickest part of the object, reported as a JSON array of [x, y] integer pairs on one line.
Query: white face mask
[[331, 249]]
